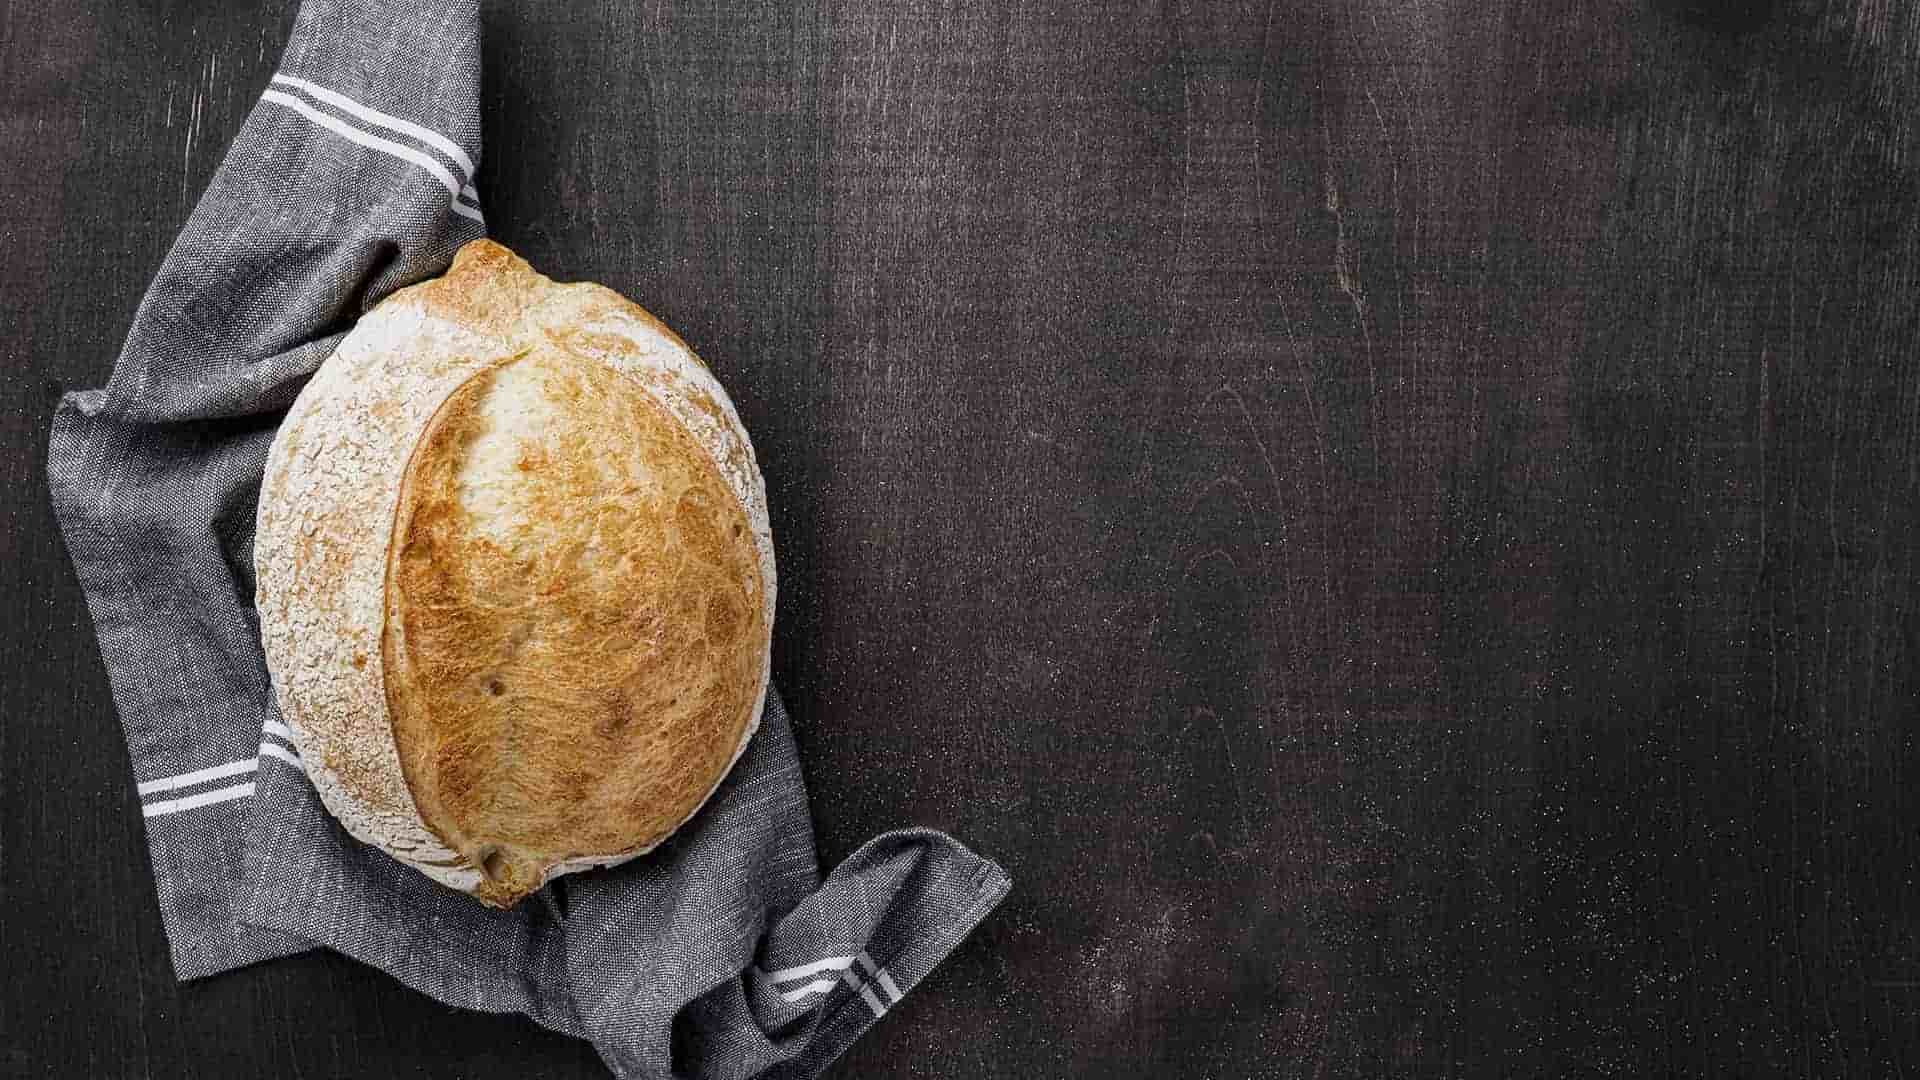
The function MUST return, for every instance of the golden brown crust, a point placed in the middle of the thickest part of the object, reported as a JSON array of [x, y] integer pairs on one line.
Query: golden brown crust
[[515, 578], [574, 626]]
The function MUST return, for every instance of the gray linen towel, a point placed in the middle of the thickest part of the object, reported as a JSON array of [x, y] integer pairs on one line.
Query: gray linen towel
[[722, 954]]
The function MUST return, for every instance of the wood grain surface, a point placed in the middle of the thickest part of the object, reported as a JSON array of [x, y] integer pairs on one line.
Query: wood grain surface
[[1393, 519]]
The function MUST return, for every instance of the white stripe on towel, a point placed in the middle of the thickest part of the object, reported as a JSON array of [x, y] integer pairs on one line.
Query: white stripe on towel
[[880, 975], [188, 802], [276, 751], [832, 963], [216, 772], [392, 123], [866, 991], [817, 986], [198, 776], [386, 146], [844, 966]]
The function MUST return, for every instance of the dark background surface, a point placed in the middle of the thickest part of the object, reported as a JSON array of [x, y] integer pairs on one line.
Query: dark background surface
[[1393, 519]]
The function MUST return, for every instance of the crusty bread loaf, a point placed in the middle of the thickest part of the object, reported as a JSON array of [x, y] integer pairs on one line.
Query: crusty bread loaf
[[515, 580]]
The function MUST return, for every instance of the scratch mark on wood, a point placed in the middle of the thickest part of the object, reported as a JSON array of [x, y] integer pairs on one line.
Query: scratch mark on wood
[[1345, 276], [1386, 146], [186, 156]]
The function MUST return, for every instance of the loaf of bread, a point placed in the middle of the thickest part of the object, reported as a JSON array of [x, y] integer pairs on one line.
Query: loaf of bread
[[515, 580]]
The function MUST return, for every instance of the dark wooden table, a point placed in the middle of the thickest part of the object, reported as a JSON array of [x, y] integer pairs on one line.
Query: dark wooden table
[[1394, 519]]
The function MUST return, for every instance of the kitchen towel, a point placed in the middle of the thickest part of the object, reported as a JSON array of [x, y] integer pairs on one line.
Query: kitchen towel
[[722, 954]]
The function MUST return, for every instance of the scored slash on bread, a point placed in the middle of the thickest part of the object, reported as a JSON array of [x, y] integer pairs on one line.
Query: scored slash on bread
[[515, 578]]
